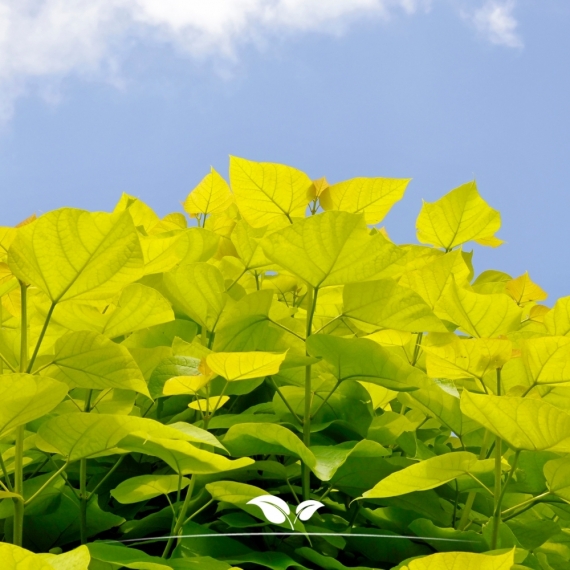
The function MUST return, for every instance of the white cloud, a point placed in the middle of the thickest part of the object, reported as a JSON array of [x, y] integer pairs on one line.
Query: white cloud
[[495, 20], [45, 41]]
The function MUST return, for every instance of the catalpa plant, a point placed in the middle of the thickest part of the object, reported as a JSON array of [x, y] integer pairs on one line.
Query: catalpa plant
[[276, 384]]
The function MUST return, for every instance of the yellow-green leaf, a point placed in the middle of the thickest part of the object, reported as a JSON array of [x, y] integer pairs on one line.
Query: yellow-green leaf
[[80, 435], [460, 216], [463, 561], [77, 559], [89, 360], [209, 405], [17, 558], [24, 398], [547, 359], [247, 241], [424, 475], [557, 321], [431, 280], [386, 304], [523, 290], [183, 457], [482, 316], [198, 288], [524, 423], [73, 254], [185, 384], [268, 193], [373, 197], [468, 358], [211, 196], [363, 359], [146, 487], [332, 248], [245, 365], [163, 251]]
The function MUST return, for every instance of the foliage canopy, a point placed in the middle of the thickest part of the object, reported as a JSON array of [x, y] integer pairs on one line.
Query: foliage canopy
[[164, 384]]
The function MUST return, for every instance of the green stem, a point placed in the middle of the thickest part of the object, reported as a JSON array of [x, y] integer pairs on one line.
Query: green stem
[[417, 348], [83, 494], [107, 475], [20, 430], [497, 512], [525, 503], [278, 390], [38, 492], [306, 474], [473, 494], [41, 337], [181, 517], [6, 476]]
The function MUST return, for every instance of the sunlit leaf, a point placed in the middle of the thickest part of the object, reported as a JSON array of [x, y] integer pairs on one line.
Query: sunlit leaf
[[524, 423], [373, 197], [211, 196], [244, 365], [268, 193], [333, 248], [482, 316], [363, 359], [73, 254], [76, 559], [547, 359], [460, 216], [424, 475], [523, 290], [24, 398], [557, 321], [386, 304], [463, 561], [146, 487], [89, 360]]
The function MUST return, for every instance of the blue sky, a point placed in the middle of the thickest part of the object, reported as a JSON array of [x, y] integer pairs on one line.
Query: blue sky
[[142, 96]]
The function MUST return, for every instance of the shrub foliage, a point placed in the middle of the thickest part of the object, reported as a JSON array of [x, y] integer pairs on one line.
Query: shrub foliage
[[281, 372]]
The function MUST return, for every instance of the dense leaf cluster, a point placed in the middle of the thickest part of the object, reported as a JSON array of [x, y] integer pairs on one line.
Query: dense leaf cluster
[[163, 385]]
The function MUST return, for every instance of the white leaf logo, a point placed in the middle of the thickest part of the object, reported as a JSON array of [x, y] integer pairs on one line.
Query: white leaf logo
[[276, 510], [307, 509]]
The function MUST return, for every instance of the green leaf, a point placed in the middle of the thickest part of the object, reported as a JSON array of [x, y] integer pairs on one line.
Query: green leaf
[[424, 475], [90, 360], [146, 487], [247, 241], [452, 539], [436, 402], [481, 316], [81, 435], [386, 304], [333, 248], [24, 398], [248, 439], [547, 360], [363, 359], [524, 423], [183, 457], [125, 557], [373, 197], [268, 193], [234, 366], [463, 561], [198, 288], [211, 196], [73, 254], [331, 457], [460, 216], [172, 367], [557, 473]]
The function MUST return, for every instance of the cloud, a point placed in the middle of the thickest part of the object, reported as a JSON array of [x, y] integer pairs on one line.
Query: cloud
[[495, 20], [43, 42]]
